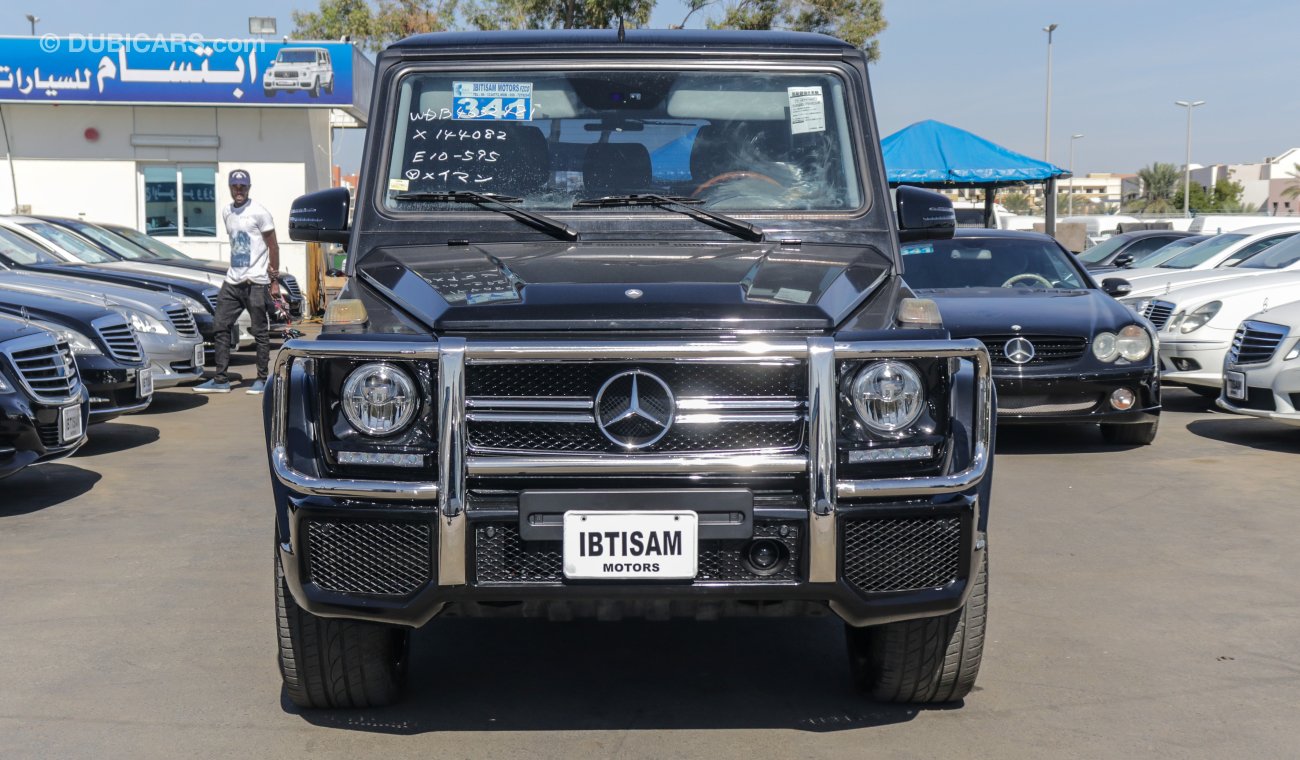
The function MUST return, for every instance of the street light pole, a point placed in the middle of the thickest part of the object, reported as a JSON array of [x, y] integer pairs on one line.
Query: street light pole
[[1070, 201], [1047, 128], [1187, 164], [32, 17]]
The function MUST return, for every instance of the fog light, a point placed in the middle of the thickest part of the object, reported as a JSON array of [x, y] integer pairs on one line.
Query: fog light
[[766, 556], [1122, 399], [890, 454], [381, 459]]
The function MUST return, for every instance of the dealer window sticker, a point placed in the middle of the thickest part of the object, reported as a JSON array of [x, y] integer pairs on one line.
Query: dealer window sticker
[[807, 110], [492, 101], [912, 250]]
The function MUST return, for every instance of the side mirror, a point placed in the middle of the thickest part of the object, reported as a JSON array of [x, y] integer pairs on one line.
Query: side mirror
[[320, 217], [924, 215], [1116, 287], [1123, 260]]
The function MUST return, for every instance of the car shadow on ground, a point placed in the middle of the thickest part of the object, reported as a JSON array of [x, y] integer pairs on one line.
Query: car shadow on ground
[[178, 399], [1183, 400], [1251, 432], [44, 485], [528, 675], [112, 437]]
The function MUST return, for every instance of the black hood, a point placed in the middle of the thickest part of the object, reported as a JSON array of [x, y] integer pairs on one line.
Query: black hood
[[971, 312], [628, 286]]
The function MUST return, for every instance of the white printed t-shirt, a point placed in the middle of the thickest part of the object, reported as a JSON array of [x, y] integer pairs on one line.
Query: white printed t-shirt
[[249, 256]]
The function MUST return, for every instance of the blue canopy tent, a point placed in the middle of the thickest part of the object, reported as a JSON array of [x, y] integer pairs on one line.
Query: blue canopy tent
[[933, 154]]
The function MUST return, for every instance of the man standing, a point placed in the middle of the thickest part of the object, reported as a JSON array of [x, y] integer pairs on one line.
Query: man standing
[[250, 280]]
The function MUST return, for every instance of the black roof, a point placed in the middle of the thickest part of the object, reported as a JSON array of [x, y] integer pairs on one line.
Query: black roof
[[636, 37], [985, 232]]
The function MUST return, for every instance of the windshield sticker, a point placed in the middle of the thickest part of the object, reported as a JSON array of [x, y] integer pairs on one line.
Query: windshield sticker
[[910, 250], [493, 101], [807, 112], [399, 185]]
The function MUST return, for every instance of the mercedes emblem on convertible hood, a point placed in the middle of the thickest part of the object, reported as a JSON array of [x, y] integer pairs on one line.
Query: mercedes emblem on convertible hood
[[634, 409], [1018, 350]]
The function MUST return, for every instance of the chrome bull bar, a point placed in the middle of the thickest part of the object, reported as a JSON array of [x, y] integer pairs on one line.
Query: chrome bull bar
[[455, 465]]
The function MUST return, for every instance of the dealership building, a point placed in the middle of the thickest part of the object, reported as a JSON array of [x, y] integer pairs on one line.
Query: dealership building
[[143, 131]]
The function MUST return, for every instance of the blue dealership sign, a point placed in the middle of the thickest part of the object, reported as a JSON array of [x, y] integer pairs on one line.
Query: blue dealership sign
[[180, 69]]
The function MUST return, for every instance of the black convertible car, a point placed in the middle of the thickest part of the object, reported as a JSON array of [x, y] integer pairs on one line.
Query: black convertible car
[[1122, 250], [1063, 349]]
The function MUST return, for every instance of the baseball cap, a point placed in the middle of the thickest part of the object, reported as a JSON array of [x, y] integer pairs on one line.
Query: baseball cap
[[239, 177]]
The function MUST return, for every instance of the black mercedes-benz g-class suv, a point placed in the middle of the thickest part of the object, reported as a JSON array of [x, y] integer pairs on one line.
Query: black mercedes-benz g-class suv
[[43, 406], [625, 334]]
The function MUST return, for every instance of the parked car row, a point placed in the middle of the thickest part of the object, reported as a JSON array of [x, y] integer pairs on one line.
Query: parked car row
[[96, 317]]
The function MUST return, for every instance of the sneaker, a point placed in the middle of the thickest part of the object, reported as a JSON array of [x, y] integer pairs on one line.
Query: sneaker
[[257, 388], [212, 386]]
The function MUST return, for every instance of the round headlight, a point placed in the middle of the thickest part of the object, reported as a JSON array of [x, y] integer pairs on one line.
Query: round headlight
[[888, 396], [1133, 343], [1199, 317], [379, 399], [1104, 348]]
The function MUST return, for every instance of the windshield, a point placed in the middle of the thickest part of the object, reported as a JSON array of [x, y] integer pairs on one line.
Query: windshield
[[111, 242], [1202, 252], [18, 250], [1280, 255], [1166, 252], [750, 141], [156, 247], [989, 263], [69, 242], [296, 56], [1099, 252]]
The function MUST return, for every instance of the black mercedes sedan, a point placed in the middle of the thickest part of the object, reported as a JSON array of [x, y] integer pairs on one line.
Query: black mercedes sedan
[[43, 406], [1119, 251], [1063, 349]]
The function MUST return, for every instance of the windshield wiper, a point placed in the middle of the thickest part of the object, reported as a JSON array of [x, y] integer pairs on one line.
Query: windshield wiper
[[740, 229], [496, 202]]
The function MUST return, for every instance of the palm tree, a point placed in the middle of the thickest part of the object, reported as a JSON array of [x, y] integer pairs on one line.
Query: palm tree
[[1159, 182], [1294, 190]]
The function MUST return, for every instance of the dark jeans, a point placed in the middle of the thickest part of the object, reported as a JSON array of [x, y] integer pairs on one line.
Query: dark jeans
[[250, 297]]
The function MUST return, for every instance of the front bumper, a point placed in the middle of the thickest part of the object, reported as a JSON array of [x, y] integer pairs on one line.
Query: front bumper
[[171, 357], [29, 431], [1186, 362], [1272, 392], [459, 547], [113, 387], [287, 83], [1067, 398]]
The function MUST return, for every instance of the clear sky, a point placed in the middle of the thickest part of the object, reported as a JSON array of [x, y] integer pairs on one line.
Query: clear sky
[[1118, 65]]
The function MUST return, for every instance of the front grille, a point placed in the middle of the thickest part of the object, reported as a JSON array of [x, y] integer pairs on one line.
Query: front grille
[[210, 296], [183, 321], [120, 339], [381, 557], [1158, 312], [501, 557], [49, 434], [1255, 342], [46, 369], [1048, 349], [1044, 403], [286, 74], [901, 554], [547, 407]]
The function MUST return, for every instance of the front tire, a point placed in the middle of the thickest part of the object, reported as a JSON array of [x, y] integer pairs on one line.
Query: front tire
[[334, 662], [927, 661], [1141, 434], [315, 89]]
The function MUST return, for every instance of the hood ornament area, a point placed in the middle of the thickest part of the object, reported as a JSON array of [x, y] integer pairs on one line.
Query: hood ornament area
[[634, 409], [633, 293], [1018, 351]]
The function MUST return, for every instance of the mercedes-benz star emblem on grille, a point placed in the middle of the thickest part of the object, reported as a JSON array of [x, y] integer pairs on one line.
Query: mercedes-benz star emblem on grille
[[633, 293], [1018, 351], [634, 409]]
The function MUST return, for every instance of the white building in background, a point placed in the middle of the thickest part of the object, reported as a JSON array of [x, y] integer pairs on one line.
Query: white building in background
[[1262, 183], [144, 133]]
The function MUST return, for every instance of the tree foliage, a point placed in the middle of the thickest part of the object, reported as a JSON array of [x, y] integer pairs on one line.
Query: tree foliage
[[857, 22], [1224, 198], [1159, 183], [377, 26], [1018, 203], [1293, 190], [558, 14]]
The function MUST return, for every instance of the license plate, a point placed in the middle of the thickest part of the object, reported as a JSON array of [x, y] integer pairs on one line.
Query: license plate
[[631, 545], [1234, 385], [144, 382], [198, 356], [69, 424]]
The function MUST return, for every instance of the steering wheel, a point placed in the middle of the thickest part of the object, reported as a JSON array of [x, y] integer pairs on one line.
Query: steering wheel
[[730, 176], [1029, 277]]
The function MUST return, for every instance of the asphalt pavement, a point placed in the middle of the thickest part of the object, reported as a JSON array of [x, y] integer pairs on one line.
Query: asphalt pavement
[[1143, 603]]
